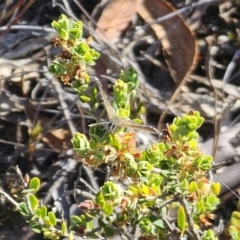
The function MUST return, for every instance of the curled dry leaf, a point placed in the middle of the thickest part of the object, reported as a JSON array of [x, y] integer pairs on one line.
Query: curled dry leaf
[[177, 40], [115, 17]]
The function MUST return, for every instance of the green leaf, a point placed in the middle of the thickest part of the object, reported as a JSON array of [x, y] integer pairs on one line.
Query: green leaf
[[87, 57], [157, 222], [215, 188], [36, 227], [38, 213], [183, 131], [63, 34], [191, 135], [52, 218], [234, 232], [50, 235], [108, 232], [144, 168], [56, 26], [193, 119], [114, 140], [64, 228], [57, 68], [33, 201], [196, 114], [134, 190], [111, 191], [208, 235], [25, 191], [82, 48], [75, 220], [64, 22], [235, 219], [95, 55], [98, 133], [23, 209], [192, 187], [82, 88], [78, 25], [102, 222], [145, 225], [176, 135], [47, 221], [34, 184], [200, 121], [181, 219], [191, 126], [84, 99], [81, 145], [197, 161], [122, 112], [74, 34], [185, 119], [108, 209], [176, 121], [200, 207], [43, 212]]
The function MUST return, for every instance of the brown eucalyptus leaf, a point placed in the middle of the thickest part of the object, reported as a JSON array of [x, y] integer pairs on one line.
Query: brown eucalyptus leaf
[[177, 40], [56, 138], [115, 17]]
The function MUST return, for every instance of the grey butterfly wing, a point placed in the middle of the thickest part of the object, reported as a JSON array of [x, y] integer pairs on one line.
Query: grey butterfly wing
[[122, 122], [130, 124], [109, 109], [109, 125]]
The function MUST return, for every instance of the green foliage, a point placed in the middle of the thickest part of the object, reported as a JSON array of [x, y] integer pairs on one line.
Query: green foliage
[[76, 55], [208, 235], [234, 229], [164, 169], [181, 219], [37, 215], [34, 184], [23, 209], [81, 145]]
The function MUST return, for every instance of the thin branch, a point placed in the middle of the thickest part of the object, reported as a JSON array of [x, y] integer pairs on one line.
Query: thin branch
[[9, 198], [189, 218], [19, 173]]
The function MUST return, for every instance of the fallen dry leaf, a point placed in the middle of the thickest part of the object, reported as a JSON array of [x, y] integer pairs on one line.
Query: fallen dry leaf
[[176, 38], [115, 17], [56, 138]]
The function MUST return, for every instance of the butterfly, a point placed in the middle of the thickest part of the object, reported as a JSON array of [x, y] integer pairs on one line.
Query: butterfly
[[116, 121]]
